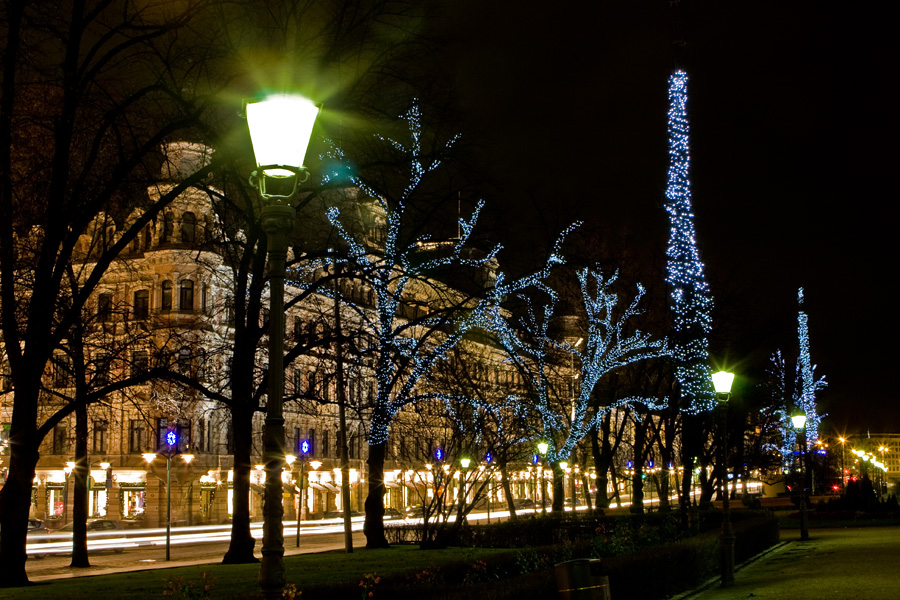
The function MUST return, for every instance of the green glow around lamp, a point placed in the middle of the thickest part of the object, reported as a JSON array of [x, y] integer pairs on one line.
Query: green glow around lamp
[[798, 419], [465, 462], [543, 447], [280, 130]]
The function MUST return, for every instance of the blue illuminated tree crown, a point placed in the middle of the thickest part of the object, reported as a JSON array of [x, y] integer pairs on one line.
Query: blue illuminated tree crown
[[690, 298]]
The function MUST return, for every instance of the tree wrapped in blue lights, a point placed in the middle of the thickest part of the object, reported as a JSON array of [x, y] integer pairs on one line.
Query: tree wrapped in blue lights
[[405, 348], [565, 416], [691, 300], [802, 394]]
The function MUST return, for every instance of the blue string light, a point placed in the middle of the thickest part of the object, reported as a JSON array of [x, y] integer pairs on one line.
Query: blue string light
[[691, 298]]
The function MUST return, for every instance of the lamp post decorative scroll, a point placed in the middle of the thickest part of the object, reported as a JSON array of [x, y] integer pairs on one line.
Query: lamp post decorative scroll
[[280, 130], [722, 382]]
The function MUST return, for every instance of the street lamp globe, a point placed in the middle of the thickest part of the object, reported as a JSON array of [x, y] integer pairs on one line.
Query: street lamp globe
[[280, 130], [722, 381], [799, 420]]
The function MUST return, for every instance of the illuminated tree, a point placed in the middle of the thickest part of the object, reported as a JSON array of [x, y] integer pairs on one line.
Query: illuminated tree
[[416, 318], [565, 415]]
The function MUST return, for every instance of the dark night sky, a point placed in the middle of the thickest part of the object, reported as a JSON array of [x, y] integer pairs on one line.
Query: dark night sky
[[794, 151]]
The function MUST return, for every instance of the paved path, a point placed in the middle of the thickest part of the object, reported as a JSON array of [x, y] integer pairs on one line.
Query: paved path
[[861, 562]]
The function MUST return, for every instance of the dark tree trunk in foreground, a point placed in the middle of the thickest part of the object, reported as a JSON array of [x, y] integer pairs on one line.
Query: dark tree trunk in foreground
[[374, 525], [80, 494], [242, 543]]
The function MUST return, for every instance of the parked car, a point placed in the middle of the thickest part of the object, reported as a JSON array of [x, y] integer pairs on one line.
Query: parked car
[[35, 524], [339, 514], [92, 525], [50, 536], [392, 513]]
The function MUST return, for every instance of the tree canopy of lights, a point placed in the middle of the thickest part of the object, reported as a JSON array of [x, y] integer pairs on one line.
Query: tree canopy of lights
[[406, 350], [803, 393], [808, 385], [564, 415], [691, 301]]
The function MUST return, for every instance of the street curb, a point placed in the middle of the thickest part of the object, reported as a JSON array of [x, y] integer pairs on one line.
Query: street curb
[[713, 581]]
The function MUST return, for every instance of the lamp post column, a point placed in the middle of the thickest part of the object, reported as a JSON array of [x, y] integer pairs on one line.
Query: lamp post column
[[277, 222], [804, 516], [722, 382]]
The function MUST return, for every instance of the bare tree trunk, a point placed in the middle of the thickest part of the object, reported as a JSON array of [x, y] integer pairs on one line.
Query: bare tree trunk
[[342, 418], [80, 494], [241, 548], [507, 491], [15, 505]]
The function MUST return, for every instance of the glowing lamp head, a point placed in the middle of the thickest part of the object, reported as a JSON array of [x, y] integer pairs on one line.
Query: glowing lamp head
[[105, 465], [280, 130], [465, 462], [543, 447], [289, 459], [722, 381], [563, 465], [799, 420], [187, 458], [149, 457]]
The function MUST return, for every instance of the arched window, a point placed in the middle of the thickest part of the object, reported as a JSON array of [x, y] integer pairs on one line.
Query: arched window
[[105, 308], [168, 228], [186, 296], [166, 300], [141, 305], [188, 228]]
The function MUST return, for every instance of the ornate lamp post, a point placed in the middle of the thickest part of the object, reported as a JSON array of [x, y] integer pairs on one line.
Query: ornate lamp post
[[799, 421], [171, 445], [722, 382], [280, 130]]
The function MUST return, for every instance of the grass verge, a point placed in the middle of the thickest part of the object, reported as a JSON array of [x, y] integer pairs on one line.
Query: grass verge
[[308, 572]]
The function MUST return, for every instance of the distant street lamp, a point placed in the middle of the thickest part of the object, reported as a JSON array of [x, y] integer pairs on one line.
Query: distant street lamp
[[843, 480], [722, 382], [464, 462], [799, 421], [280, 130], [542, 450], [171, 451]]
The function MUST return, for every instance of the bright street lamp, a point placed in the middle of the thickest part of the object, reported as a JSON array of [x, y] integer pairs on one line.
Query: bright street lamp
[[542, 450], [722, 381], [280, 130], [171, 442], [799, 421]]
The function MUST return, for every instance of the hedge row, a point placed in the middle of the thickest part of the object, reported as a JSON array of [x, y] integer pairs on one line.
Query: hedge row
[[528, 573]]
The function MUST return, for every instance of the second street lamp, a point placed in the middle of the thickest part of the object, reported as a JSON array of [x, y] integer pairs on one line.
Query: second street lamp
[[280, 130], [170, 452], [799, 421], [722, 382]]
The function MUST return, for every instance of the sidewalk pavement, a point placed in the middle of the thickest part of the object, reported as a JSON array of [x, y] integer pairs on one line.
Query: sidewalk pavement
[[861, 562]]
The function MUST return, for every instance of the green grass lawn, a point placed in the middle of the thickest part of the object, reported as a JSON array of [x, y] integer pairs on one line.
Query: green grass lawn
[[240, 581]]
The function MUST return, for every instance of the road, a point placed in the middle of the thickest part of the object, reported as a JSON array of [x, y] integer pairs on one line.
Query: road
[[140, 549], [112, 552]]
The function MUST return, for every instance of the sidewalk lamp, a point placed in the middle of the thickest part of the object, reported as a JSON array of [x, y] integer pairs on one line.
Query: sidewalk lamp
[[280, 131], [542, 450], [170, 452], [464, 463], [722, 381], [799, 421]]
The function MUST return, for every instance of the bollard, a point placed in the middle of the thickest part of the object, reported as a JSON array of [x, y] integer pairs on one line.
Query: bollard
[[582, 579]]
